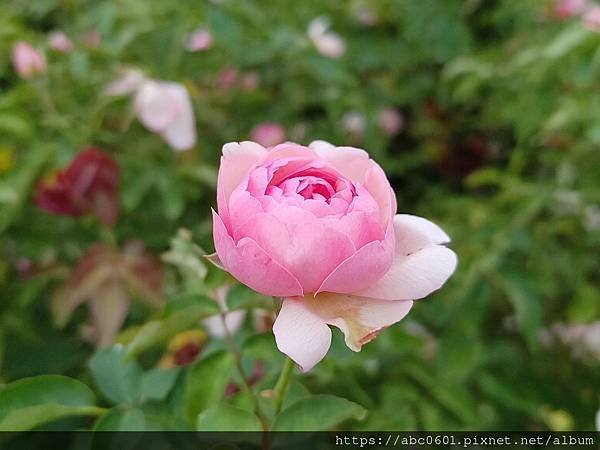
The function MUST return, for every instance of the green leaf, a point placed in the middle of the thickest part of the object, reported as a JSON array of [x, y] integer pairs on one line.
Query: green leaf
[[30, 402], [223, 417], [121, 419], [318, 413], [206, 382], [117, 376], [157, 383], [157, 331]]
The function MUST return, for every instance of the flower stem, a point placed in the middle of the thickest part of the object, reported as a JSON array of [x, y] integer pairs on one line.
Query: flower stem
[[283, 383], [245, 384]]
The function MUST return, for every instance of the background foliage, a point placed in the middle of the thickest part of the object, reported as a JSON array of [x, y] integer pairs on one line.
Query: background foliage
[[499, 146]]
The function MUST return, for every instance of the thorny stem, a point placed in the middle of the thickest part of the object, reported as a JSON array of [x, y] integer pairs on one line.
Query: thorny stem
[[238, 363], [283, 383]]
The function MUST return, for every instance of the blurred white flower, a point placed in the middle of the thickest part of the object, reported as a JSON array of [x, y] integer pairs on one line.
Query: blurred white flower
[[328, 43], [163, 107], [229, 322], [59, 41], [598, 420], [591, 218], [27, 61], [128, 82], [582, 339], [354, 122], [199, 40]]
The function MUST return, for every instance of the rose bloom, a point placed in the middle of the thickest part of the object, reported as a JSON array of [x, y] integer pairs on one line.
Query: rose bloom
[[268, 134], [27, 61], [59, 41], [89, 185], [318, 227]]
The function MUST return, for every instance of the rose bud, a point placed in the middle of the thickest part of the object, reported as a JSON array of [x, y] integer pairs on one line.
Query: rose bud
[[59, 41], [27, 61], [199, 40], [390, 121], [89, 185], [268, 134], [318, 227]]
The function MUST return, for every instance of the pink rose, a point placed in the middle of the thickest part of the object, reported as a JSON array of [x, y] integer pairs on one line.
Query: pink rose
[[27, 61], [268, 134], [59, 41], [318, 227]]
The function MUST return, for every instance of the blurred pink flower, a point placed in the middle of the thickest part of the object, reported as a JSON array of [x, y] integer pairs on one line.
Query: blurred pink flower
[[92, 39], [327, 42], [199, 40], [268, 134], [27, 61], [227, 77], [88, 185], [354, 122], [563, 9], [591, 18], [318, 226], [390, 121], [165, 108], [366, 15], [249, 81], [59, 41]]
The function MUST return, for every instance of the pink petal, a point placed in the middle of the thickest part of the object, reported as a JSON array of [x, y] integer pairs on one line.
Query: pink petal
[[359, 318], [289, 150], [363, 268], [295, 239], [379, 187], [351, 162], [237, 160], [414, 233], [301, 334], [414, 276], [156, 105], [251, 265]]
